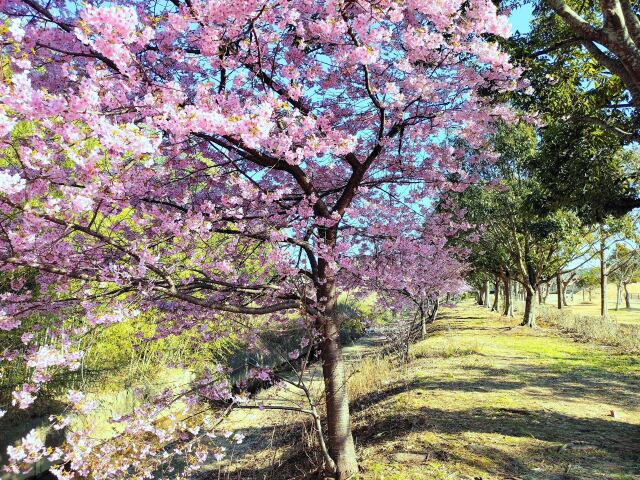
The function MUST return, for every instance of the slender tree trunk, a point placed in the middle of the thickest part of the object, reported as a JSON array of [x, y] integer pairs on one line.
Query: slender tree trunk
[[507, 297], [627, 296], [496, 295], [604, 310], [341, 446], [559, 290], [539, 289], [423, 321], [512, 297], [618, 295], [434, 311], [529, 319], [480, 297], [564, 294]]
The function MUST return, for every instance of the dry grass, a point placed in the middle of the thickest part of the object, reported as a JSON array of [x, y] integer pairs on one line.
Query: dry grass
[[445, 349], [370, 375], [594, 328]]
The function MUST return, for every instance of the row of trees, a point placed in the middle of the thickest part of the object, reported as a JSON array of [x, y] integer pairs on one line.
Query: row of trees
[[573, 178], [520, 237]]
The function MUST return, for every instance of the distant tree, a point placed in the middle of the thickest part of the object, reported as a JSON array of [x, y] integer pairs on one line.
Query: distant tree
[[587, 280], [625, 269]]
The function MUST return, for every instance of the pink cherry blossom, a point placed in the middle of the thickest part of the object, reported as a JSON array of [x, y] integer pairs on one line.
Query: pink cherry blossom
[[214, 163]]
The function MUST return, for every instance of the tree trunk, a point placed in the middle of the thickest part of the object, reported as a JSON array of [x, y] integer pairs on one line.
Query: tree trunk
[[341, 446], [540, 300], [627, 297], [512, 296], [423, 320], [618, 295], [564, 295], [507, 297], [496, 295], [480, 296], [529, 319], [434, 313], [559, 290], [604, 311], [485, 300]]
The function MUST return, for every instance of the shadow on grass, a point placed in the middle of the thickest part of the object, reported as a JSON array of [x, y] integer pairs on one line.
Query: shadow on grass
[[609, 445]]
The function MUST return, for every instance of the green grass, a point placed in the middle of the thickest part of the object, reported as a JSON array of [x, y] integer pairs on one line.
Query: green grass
[[484, 398]]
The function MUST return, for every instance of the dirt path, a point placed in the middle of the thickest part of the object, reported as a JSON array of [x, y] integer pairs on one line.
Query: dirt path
[[481, 399]]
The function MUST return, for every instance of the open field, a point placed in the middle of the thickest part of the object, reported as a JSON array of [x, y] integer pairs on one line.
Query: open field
[[483, 399], [582, 303]]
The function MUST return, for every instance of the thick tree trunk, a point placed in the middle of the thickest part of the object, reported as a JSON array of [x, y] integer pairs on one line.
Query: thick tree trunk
[[507, 297], [496, 295], [529, 319], [485, 300], [559, 290], [604, 310], [480, 296], [564, 295], [341, 446], [627, 296]]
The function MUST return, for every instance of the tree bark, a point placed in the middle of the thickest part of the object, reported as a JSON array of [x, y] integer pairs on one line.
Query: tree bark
[[423, 320], [604, 310], [564, 294], [507, 311], [485, 300], [618, 295], [341, 446], [540, 299], [512, 296], [559, 290], [627, 297], [480, 296], [496, 295], [529, 319]]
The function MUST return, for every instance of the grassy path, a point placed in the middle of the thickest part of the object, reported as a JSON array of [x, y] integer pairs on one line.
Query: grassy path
[[482, 399]]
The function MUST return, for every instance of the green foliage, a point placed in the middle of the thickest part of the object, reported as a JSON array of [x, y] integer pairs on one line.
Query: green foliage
[[588, 278], [585, 120], [516, 237]]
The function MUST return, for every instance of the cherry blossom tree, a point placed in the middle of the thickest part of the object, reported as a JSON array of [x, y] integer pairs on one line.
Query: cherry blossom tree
[[223, 164]]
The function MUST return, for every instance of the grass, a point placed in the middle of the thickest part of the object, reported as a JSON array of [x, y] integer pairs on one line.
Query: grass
[[482, 398], [580, 304], [513, 403]]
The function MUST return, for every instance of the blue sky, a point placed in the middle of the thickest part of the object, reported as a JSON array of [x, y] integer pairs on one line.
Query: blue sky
[[520, 18]]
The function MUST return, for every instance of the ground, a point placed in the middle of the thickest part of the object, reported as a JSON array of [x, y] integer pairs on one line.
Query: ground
[[481, 398]]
